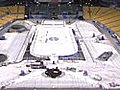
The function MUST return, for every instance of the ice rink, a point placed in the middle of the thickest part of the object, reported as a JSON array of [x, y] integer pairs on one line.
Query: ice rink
[[51, 39]]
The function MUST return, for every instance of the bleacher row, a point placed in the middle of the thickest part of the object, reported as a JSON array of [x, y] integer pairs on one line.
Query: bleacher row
[[10, 13], [110, 17], [46, 9]]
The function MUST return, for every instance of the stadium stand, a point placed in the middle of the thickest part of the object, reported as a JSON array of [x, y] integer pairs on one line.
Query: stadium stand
[[11, 13], [110, 17]]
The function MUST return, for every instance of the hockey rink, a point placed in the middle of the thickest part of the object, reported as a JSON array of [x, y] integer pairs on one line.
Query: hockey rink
[[53, 40]]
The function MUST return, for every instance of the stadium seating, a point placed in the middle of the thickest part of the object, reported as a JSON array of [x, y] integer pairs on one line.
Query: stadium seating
[[110, 17], [12, 9], [10, 13]]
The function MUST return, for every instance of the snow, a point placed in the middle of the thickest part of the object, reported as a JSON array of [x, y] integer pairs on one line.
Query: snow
[[95, 48], [109, 70], [53, 22], [12, 45], [5, 44]]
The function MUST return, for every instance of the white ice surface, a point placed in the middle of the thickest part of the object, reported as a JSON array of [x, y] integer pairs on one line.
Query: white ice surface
[[42, 45]]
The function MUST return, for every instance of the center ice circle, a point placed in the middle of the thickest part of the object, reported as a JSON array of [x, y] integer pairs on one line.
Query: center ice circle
[[53, 38]]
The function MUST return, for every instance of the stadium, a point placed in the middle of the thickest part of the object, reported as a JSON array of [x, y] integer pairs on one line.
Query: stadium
[[59, 45]]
